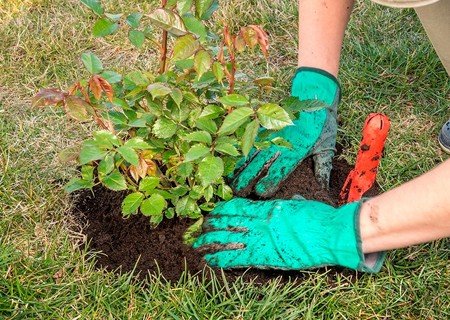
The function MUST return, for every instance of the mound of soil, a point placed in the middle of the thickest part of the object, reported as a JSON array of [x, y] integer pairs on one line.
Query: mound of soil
[[127, 244]]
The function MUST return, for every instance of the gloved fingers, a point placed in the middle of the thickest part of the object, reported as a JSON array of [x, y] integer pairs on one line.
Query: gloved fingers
[[243, 163], [228, 223], [243, 182], [227, 259], [215, 240], [242, 208], [323, 163], [280, 169]]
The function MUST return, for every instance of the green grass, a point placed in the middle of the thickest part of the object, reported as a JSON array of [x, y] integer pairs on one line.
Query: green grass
[[388, 65]]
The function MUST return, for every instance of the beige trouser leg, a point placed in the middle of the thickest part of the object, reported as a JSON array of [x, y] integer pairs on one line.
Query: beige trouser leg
[[435, 19]]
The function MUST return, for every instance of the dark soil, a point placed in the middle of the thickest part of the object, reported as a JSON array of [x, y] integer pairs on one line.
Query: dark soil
[[127, 244]]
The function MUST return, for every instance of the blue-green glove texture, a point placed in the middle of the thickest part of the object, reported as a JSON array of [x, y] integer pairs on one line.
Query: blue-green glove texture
[[313, 133], [284, 234]]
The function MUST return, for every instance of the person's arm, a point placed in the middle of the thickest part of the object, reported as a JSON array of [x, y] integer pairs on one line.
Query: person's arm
[[413, 213], [321, 32]]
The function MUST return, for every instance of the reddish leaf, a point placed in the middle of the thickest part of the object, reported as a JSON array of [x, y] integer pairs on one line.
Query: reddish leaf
[[250, 36], [77, 108], [220, 56], [239, 43], [47, 97], [263, 39], [106, 87], [227, 37], [134, 173], [95, 86]]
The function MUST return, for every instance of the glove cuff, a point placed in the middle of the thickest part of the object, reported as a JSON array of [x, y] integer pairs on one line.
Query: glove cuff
[[370, 262], [316, 84], [350, 243]]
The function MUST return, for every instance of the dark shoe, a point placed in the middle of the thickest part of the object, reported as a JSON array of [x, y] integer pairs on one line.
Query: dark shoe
[[444, 137]]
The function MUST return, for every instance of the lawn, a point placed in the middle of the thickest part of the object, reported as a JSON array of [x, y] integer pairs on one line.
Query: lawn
[[388, 66]]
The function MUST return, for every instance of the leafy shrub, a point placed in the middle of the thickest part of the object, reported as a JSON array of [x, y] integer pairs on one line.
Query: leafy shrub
[[169, 137]]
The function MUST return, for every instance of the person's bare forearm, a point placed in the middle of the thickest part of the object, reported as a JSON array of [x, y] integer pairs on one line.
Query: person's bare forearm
[[413, 213], [321, 32]]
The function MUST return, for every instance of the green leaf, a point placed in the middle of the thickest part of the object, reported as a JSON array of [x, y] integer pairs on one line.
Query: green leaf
[[92, 62], [184, 47], [279, 141], [196, 151], [132, 202], [111, 76], [137, 143], [134, 19], [198, 136], [185, 169], [114, 16], [227, 148], [234, 120], [148, 184], [248, 139], [77, 184], [137, 78], [158, 89], [155, 220], [207, 206], [177, 96], [168, 21], [210, 169], [154, 205], [192, 233], [206, 124], [77, 108], [106, 139], [202, 62], [185, 206], [196, 192], [212, 111], [180, 191], [106, 165], [94, 5], [209, 192], [202, 6], [129, 155], [273, 117], [170, 213], [104, 27], [218, 71], [234, 100], [87, 172], [183, 6], [164, 128], [136, 37], [224, 192], [115, 181], [90, 152], [195, 26]]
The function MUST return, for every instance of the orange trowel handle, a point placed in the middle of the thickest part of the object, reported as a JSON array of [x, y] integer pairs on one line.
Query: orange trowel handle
[[362, 177]]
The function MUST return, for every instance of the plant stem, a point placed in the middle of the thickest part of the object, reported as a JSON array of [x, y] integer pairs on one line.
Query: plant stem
[[163, 58]]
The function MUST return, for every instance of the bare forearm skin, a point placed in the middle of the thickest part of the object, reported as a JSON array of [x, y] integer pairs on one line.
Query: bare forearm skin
[[415, 212], [321, 32]]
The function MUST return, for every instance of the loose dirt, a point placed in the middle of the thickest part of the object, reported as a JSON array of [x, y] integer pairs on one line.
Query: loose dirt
[[127, 244]]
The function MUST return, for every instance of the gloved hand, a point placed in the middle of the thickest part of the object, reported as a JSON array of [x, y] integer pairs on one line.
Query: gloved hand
[[285, 234], [313, 133]]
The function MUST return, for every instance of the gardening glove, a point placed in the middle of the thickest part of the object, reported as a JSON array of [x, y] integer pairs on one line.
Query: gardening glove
[[313, 133], [285, 234]]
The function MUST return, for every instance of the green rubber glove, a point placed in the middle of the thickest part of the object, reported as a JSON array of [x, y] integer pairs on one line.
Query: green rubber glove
[[285, 234], [313, 133]]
